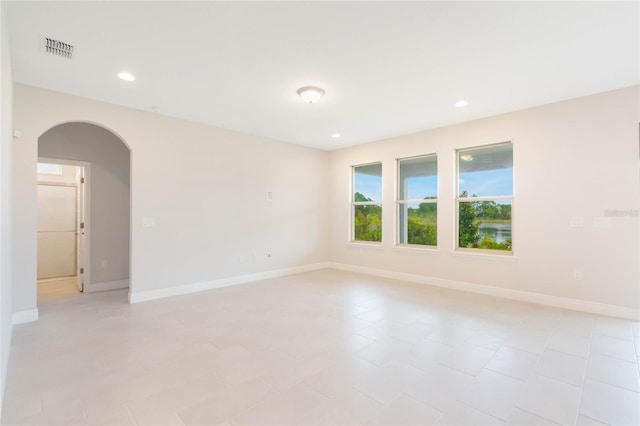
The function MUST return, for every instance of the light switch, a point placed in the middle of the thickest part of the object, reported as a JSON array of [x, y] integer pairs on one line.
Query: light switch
[[148, 222], [576, 222]]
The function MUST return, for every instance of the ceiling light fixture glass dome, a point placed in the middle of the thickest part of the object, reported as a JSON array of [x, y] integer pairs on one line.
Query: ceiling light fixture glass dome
[[310, 94]]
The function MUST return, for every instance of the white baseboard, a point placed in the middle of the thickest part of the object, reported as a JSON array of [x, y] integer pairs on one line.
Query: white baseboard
[[505, 293], [142, 296], [6, 353], [21, 317], [106, 286]]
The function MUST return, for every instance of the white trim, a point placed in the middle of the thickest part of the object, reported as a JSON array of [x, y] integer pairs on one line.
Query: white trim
[[142, 296], [106, 286], [21, 317], [366, 244], [485, 254], [505, 293], [416, 248]]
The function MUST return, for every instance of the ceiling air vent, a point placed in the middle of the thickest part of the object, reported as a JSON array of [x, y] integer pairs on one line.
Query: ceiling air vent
[[58, 48]]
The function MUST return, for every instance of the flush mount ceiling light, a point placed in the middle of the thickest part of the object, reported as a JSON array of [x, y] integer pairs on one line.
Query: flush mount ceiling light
[[461, 103], [126, 76], [336, 135], [310, 94], [466, 157]]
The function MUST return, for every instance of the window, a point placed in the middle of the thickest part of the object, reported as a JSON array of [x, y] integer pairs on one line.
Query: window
[[418, 201], [367, 203], [485, 197], [49, 169]]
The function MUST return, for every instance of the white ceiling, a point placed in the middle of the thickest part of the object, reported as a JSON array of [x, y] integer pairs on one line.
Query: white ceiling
[[388, 68]]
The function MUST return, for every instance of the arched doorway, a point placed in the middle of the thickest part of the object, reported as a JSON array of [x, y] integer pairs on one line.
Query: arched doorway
[[102, 164]]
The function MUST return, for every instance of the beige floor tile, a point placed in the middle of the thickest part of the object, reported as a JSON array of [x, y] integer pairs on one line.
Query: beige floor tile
[[571, 344], [614, 371], [342, 374], [183, 396], [384, 350], [493, 393], [522, 418], [388, 382], [529, 340], [463, 415], [287, 408], [324, 347], [440, 387], [220, 408], [327, 414], [359, 406], [614, 327], [424, 354], [487, 340], [468, 359], [551, 399], [586, 421], [563, 367], [406, 411], [452, 335], [610, 404], [157, 417], [613, 347], [513, 362]]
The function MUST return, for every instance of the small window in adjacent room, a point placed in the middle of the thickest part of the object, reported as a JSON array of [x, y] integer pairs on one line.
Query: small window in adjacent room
[[485, 197], [49, 169], [418, 201], [366, 203]]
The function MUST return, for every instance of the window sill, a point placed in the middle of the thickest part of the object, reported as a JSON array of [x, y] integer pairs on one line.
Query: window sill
[[481, 254], [365, 245], [416, 248]]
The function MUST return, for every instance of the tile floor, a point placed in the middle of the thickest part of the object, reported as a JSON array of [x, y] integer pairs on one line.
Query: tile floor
[[320, 348]]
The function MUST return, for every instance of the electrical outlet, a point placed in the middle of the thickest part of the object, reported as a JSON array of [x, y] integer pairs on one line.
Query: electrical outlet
[[103, 263], [577, 275]]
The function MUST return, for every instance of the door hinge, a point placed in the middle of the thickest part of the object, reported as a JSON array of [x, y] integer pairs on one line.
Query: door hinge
[[81, 225], [82, 270], [81, 180]]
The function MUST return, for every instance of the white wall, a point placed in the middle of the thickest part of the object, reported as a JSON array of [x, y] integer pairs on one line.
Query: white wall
[[573, 158], [109, 182], [6, 141], [206, 188]]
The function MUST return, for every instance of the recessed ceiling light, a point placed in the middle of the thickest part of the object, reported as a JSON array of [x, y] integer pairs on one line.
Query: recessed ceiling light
[[336, 135], [310, 94], [461, 103], [126, 76]]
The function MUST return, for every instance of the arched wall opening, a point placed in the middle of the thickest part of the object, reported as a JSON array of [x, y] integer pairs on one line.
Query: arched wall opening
[[108, 214]]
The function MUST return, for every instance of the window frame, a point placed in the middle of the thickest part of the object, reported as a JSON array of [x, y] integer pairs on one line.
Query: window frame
[[353, 204], [399, 201], [458, 200]]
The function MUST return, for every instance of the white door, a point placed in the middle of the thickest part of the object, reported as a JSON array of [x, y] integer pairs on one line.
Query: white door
[[57, 236]]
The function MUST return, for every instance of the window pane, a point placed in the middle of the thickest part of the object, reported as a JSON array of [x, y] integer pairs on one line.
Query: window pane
[[486, 171], [49, 169], [367, 222], [367, 183], [418, 178], [485, 225], [418, 223]]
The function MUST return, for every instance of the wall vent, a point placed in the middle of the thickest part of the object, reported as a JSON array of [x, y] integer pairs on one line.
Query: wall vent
[[58, 48]]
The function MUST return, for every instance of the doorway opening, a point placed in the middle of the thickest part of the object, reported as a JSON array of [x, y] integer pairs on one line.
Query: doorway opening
[[89, 173], [62, 227]]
